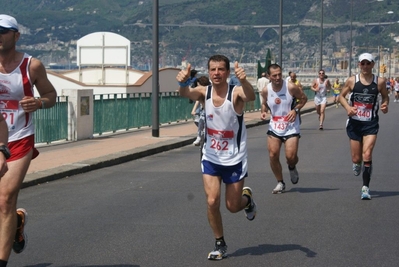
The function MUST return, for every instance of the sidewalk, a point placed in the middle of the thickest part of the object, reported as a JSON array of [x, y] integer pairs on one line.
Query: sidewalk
[[65, 158]]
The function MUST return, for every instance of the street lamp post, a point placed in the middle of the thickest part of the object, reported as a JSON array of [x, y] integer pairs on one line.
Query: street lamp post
[[155, 70], [281, 35], [379, 36], [350, 45], [321, 38], [389, 52]]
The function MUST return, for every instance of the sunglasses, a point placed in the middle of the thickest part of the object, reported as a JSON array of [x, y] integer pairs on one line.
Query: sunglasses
[[365, 63], [6, 30], [321, 73]]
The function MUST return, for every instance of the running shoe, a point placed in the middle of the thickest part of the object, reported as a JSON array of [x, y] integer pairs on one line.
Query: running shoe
[[356, 169], [21, 239], [280, 188], [219, 252], [294, 175], [250, 210], [365, 193], [197, 141], [321, 127]]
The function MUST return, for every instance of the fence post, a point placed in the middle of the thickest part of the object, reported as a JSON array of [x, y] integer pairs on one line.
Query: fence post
[[80, 113]]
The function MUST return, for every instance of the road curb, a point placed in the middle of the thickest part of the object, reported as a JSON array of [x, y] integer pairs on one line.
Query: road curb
[[68, 170]]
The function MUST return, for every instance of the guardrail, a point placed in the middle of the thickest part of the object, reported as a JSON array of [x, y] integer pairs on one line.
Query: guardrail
[[52, 124], [116, 112]]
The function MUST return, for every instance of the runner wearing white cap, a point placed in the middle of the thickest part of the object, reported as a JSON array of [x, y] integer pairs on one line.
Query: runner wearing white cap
[[362, 125]]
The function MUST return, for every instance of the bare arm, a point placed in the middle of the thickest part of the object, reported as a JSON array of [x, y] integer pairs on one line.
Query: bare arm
[[264, 107], [382, 87], [194, 107], [314, 86], [328, 85], [296, 92], [46, 90], [246, 91], [194, 94], [347, 89], [3, 141]]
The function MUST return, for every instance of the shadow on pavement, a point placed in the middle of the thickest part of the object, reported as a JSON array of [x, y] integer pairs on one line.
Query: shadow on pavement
[[377, 194], [268, 248], [310, 190], [113, 265]]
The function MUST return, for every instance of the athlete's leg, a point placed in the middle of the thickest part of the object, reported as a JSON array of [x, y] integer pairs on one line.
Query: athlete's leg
[[322, 113], [356, 151], [317, 110], [212, 186], [10, 185], [368, 146], [235, 201], [291, 151], [274, 146]]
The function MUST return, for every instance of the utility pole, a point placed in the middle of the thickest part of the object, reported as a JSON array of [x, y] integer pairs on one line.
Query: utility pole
[[155, 70], [321, 38]]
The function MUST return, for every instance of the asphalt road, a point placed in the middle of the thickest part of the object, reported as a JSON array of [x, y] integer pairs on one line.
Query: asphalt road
[[152, 211]]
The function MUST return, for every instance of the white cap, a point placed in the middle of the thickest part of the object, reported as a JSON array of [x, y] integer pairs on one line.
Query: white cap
[[8, 22], [366, 56]]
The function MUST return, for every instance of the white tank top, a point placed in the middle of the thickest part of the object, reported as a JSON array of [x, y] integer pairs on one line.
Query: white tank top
[[226, 133], [280, 104], [13, 87], [322, 88]]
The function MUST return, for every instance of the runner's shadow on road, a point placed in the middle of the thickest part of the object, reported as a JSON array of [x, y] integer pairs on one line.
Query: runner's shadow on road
[[268, 248], [310, 190], [377, 194], [113, 265]]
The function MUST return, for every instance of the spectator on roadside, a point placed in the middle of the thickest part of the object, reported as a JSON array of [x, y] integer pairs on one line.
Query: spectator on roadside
[[199, 112], [193, 81], [234, 80], [288, 78], [19, 73], [263, 81]]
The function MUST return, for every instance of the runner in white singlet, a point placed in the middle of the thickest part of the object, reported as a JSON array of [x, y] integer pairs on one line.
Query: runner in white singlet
[[19, 73], [321, 86], [224, 154], [280, 98]]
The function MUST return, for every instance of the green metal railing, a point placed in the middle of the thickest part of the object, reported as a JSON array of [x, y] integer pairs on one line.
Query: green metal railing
[[52, 124], [115, 112]]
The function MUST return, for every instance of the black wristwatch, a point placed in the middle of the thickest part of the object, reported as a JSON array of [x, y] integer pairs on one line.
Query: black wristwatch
[[296, 110], [4, 149]]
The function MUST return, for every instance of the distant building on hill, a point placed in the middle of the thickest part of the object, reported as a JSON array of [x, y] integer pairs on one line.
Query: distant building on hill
[[103, 64]]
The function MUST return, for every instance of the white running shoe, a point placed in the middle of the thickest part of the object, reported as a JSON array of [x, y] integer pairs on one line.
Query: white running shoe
[[197, 141], [219, 252], [280, 188], [365, 193], [356, 169]]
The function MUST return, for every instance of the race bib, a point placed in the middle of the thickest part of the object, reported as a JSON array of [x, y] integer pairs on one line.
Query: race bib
[[279, 124], [220, 142], [9, 110], [364, 111]]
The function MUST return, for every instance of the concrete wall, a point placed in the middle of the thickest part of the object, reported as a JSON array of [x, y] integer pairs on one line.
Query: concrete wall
[[80, 113]]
